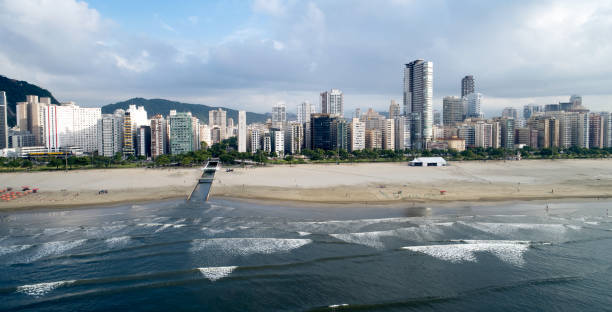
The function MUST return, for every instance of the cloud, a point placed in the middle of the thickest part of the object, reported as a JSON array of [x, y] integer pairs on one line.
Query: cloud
[[291, 50]]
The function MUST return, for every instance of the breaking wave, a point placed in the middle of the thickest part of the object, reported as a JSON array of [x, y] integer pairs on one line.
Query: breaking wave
[[216, 273], [115, 242], [5, 250], [53, 248], [248, 246], [41, 289], [507, 251]]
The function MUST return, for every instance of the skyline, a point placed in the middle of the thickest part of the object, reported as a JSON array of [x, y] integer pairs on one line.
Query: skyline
[[251, 55]]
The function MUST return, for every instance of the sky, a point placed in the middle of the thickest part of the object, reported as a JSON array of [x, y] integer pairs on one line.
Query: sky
[[252, 54]]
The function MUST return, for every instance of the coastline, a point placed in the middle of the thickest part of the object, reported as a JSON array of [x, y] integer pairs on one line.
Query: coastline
[[319, 184]]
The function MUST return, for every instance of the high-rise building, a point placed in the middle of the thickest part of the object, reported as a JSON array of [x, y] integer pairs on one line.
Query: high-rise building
[[128, 135], [356, 135], [394, 110], [29, 117], [143, 141], [596, 131], [138, 115], [332, 102], [510, 112], [256, 136], [418, 98], [218, 117], [195, 128], [279, 115], [205, 135], [507, 132], [304, 110], [110, 135], [530, 110], [474, 102], [373, 120], [181, 133], [277, 142], [357, 113], [294, 137], [3, 121], [437, 118], [158, 136], [69, 125], [242, 133], [402, 133], [320, 126], [373, 139], [388, 135], [607, 126], [339, 133], [467, 85], [452, 110]]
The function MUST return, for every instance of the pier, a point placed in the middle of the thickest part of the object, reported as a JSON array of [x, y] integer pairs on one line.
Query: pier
[[202, 189]]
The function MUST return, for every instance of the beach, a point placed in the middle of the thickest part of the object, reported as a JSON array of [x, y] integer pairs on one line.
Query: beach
[[325, 183], [398, 182], [81, 187]]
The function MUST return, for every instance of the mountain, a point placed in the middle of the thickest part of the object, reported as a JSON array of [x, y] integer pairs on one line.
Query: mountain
[[16, 91], [163, 107]]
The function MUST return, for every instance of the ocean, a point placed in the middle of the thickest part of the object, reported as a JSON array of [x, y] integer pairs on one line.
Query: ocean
[[225, 255]]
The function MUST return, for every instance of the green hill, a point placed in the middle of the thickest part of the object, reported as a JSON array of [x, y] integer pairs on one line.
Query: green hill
[[163, 107], [16, 91]]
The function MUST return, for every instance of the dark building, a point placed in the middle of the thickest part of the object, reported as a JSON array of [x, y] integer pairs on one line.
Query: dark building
[[339, 133], [143, 141], [320, 126], [467, 85]]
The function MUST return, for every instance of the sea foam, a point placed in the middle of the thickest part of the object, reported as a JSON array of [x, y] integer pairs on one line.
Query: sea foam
[[216, 273], [5, 250], [248, 246], [54, 248], [507, 251], [115, 242], [41, 289]]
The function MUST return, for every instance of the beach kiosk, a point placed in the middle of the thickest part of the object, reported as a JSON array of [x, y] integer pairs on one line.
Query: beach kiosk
[[428, 162]]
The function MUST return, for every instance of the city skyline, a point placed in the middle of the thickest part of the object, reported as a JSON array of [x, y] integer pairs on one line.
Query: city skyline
[[118, 53]]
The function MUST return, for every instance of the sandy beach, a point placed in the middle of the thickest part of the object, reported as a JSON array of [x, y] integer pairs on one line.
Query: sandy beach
[[326, 183], [397, 182], [80, 187]]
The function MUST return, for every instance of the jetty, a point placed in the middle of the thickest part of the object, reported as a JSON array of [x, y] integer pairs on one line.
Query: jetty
[[202, 188]]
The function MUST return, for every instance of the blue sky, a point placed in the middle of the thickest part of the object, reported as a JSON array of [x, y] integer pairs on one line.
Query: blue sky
[[252, 54]]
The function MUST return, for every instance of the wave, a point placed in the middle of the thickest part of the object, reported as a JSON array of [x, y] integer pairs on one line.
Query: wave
[[216, 273], [304, 233], [423, 232], [507, 251], [115, 242], [5, 250], [53, 248], [41, 289], [248, 246]]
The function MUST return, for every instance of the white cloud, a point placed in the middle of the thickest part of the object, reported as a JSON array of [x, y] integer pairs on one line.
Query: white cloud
[[272, 7]]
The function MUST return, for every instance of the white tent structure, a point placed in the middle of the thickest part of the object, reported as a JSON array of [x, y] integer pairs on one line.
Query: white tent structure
[[428, 162]]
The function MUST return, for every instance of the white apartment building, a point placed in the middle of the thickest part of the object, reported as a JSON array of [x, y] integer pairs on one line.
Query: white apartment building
[[138, 116], [356, 134], [70, 125], [388, 133], [242, 133], [110, 135], [474, 102], [332, 102], [205, 135], [304, 110]]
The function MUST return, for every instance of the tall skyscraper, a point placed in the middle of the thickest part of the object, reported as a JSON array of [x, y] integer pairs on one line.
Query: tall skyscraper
[[356, 135], [158, 136], [474, 102], [320, 126], [279, 115], [332, 102], [3, 121], [452, 110], [181, 133], [143, 141], [110, 135], [69, 125], [304, 110], [242, 133], [218, 117], [418, 96], [394, 110], [467, 85]]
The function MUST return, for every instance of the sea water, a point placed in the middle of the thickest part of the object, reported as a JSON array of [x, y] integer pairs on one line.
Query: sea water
[[227, 255]]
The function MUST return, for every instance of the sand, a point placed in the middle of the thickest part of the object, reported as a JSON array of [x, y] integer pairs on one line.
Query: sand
[[397, 182], [327, 183], [80, 187]]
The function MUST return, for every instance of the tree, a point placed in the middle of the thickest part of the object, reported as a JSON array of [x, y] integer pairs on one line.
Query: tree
[[227, 158], [186, 161], [162, 160], [26, 163]]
